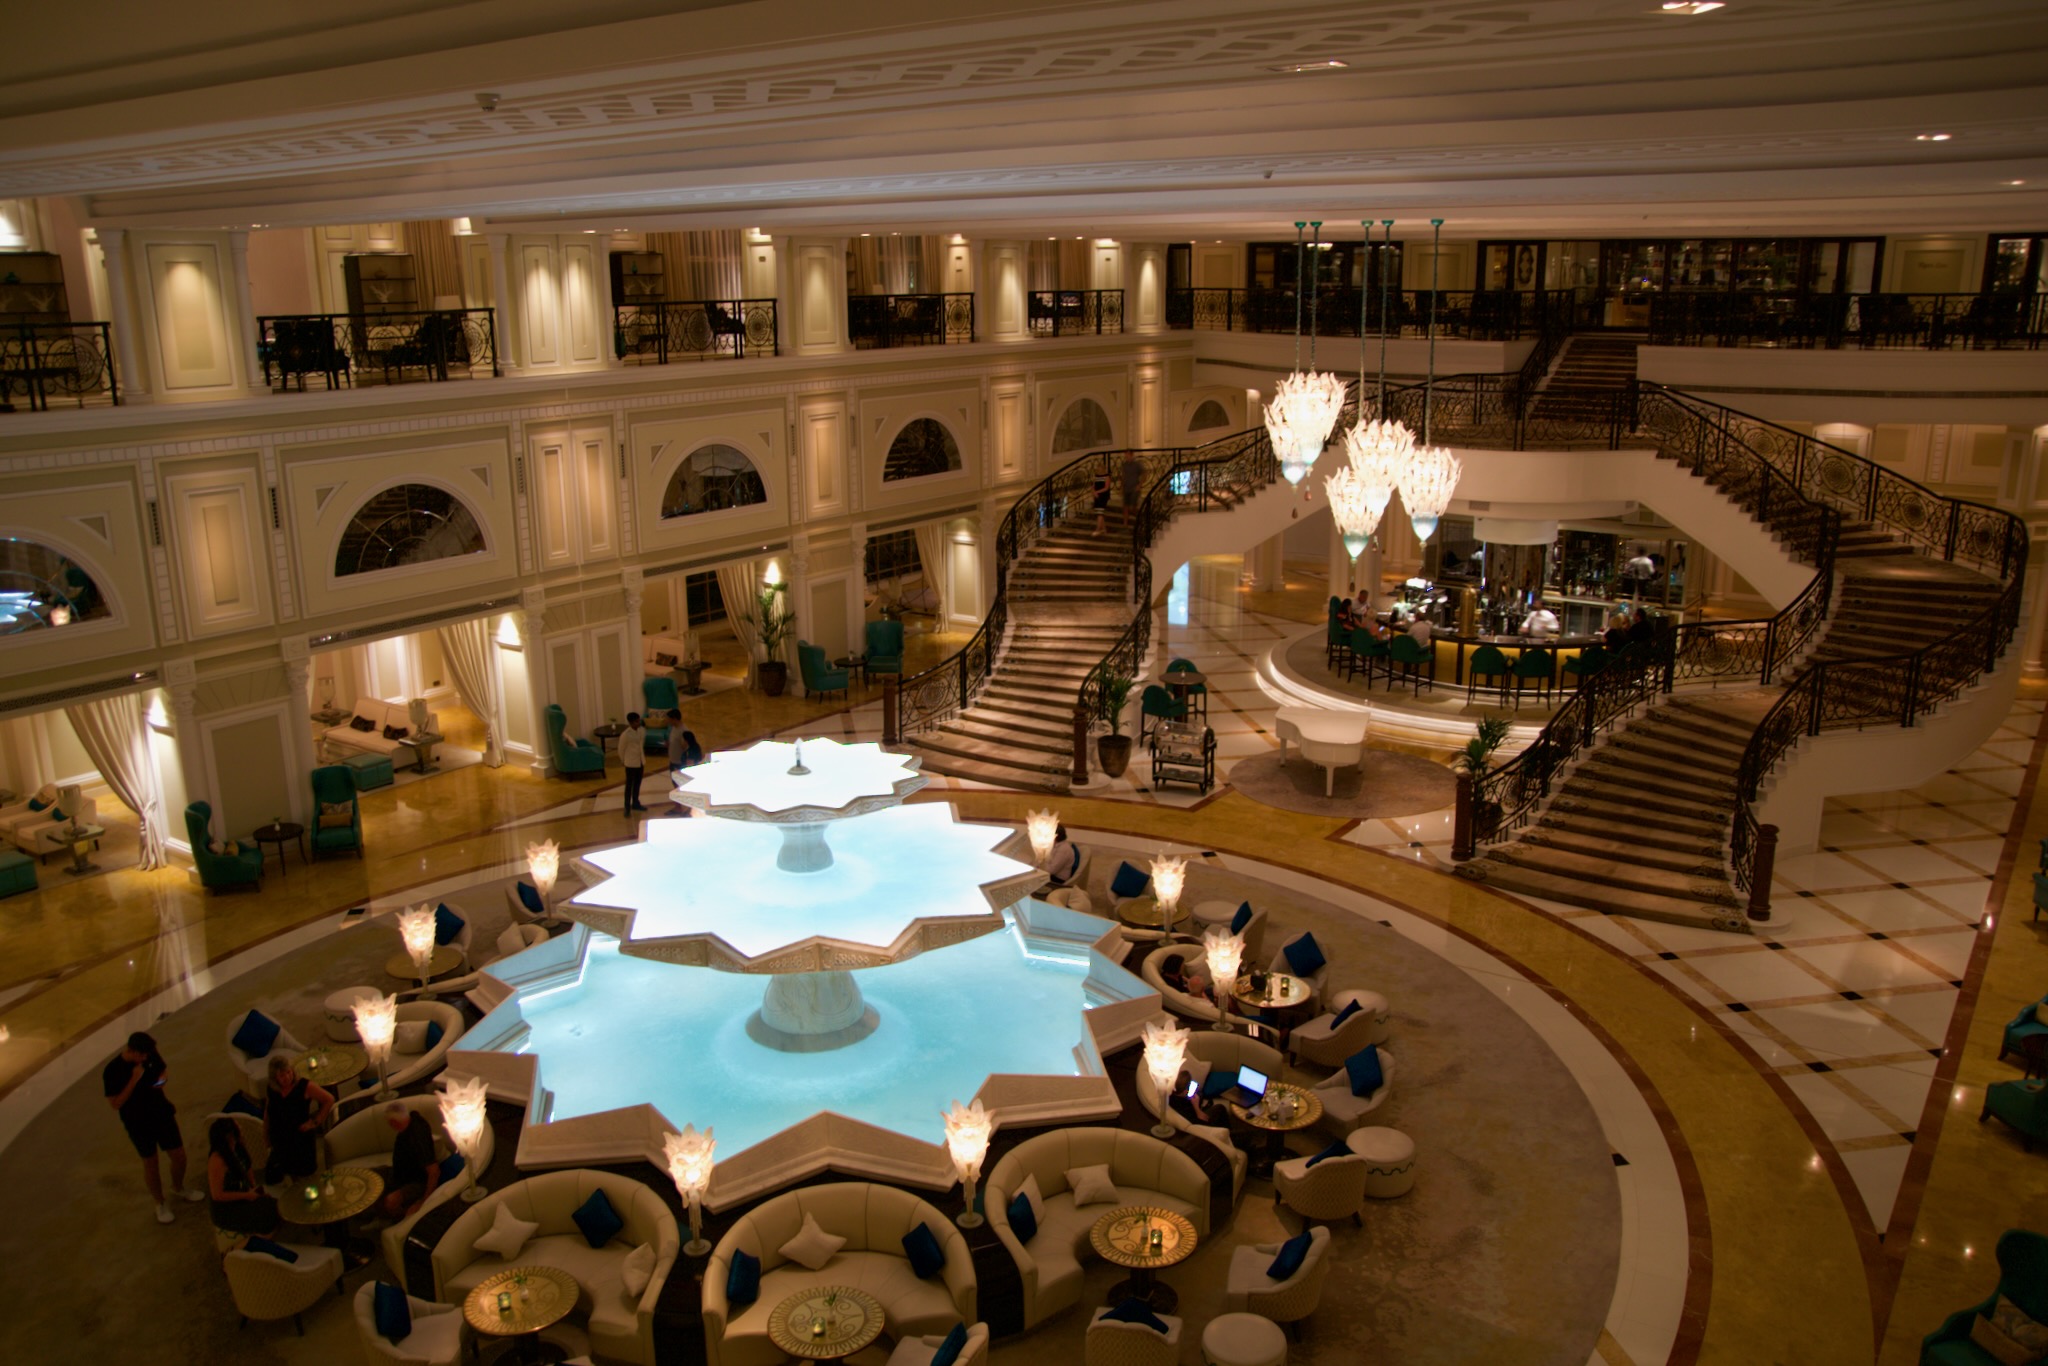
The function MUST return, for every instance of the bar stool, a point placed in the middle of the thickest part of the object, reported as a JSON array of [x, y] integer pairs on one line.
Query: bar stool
[[1487, 662], [1538, 667]]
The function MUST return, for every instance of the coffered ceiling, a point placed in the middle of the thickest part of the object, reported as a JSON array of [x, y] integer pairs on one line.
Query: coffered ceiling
[[1009, 117]]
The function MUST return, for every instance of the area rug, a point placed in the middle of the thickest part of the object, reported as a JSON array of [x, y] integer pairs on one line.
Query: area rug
[[1387, 784]]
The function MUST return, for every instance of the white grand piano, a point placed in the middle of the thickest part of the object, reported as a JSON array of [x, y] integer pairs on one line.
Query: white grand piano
[[1334, 739]]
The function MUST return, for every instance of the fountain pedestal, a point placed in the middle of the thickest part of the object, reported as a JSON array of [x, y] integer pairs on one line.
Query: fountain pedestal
[[812, 1012]]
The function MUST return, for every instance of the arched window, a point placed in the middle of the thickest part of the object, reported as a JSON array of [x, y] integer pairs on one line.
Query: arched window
[[407, 524], [1083, 427], [710, 479], [922, 447], [1210, 414], [40, 587]]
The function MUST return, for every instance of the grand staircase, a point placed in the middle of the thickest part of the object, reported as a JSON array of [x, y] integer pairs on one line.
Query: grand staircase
[[1590, 371]]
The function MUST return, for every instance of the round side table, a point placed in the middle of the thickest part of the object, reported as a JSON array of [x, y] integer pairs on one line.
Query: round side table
[[1244, 1340], [1389, 1161]]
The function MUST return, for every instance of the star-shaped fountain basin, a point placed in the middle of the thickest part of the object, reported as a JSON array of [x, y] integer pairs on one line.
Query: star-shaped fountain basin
[[710, 894], [757, 784]]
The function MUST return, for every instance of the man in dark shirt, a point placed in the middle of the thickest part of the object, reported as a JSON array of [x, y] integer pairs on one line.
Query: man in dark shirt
[[414, 1171], [134, 1085]]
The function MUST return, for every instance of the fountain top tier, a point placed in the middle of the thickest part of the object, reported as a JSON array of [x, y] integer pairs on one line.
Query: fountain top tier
[[807, 782]]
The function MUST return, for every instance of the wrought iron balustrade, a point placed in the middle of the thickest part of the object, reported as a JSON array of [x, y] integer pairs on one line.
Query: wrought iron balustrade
[[1073, 312], [661, 331], [386, 348], [874, 321], [1466, 315], [1936, 322], [42, 361]]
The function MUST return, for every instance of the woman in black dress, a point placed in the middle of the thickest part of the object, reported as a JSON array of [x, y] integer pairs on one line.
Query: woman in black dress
[[239, 1204], [294, 1112], [1101, 497]]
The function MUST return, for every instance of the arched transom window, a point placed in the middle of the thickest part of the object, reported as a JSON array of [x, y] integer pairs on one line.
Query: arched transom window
[[407, 524], [1082, 427], [710, 479], [40, 587], [922, 447], [1209, 414]]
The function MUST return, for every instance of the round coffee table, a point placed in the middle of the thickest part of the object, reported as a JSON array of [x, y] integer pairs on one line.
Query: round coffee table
[[281, 833], [826, 1323], [1145, 1239], [1278, 992], [1144, 913], [331, 1064], [1277, 1121], [517, 1304], [444, 960], [337, 1196]]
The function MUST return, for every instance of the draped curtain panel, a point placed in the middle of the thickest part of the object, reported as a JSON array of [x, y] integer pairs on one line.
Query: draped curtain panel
[[737, 584], [931, 553], [864, 267], [116, 739], [436, 260], [467, 647], [931, 263], [1043, 260], [907, 264], [699, 265]]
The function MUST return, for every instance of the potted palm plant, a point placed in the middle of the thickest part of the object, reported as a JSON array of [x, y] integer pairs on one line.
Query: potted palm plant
[[1473, 761], [1113, 751], [773, 623]]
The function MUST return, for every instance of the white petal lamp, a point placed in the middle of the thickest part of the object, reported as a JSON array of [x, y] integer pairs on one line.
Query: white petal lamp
[[1427, 486], [1169, 876], [1166, 1045], [1044, 827], [416, 927], [544, 862], [464, 1116], [376, 1026], [967, 1133], [1224, 951], [1305, 405], [689, 1166]]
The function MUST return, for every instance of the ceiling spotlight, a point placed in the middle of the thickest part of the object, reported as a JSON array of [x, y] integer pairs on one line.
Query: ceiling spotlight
[[1932, 137], [487, 100], [1691, 7], [2015, 182], [867, 234], [1295, 68]]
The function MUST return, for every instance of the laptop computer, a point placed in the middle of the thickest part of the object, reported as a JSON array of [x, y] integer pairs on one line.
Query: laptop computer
[[1250, 1088]]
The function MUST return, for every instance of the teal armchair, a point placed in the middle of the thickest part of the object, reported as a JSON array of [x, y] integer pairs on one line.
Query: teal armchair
[[885, 647], [2022, 1104], [2022, 1027], [571, 756], [333, 785], [216, 871], [2022, 1278], [1157, 704], [819, 675], [661, 698]]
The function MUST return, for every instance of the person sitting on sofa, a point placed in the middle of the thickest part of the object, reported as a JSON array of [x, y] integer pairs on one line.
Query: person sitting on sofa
[[414, 1172], [240, 1204], [1064, 860], [1193, 1108]]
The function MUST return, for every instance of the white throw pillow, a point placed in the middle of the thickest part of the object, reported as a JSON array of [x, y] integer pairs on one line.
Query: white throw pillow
[[812, 1247], [638, 1270], [1031, 1192], [410, 1037], [1092, 1186], [508, 1234]]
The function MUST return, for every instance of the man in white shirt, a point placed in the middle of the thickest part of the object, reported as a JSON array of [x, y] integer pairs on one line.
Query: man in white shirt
[[1419, 629], [633, 754], [1541, 621], [1640, 571]]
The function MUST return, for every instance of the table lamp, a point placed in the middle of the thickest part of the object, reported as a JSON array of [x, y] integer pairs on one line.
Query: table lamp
[[1044, 827], [1166, 1044], [1224, 951], [71, 801], [689, 1166], [416, 927], [1169, 875], [967, 1132], [376, 1026], [544, 861], [463, 1115]]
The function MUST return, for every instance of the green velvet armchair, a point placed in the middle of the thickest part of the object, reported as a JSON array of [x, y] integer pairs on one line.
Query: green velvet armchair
[[2022, 1278], [819, 675], [660, 697], [217, 871], [2022, 1027], [571, 756], [885, 647], [333, 785], [2022, 1104]]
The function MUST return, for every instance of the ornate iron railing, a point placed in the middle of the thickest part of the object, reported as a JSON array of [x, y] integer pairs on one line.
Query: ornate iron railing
[[1936, 322], [1467, 315], [392, 348], [41, 361], [664, 330], [875, 321], [1070, 312]]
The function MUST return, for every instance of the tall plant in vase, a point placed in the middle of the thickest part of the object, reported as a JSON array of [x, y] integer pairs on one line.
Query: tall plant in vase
[[773, 623], [1113, 751]]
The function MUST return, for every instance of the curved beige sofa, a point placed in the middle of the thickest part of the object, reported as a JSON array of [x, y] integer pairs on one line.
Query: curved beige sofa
[[873, 1220], [1146, 1171], [619, 1327], [1176, 1000], [364, 1139]]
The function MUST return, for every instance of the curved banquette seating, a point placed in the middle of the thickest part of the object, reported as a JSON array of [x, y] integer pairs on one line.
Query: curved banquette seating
[[364, 1140]]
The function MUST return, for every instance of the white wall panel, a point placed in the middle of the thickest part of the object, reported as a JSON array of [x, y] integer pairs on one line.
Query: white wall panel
[[193, 348]]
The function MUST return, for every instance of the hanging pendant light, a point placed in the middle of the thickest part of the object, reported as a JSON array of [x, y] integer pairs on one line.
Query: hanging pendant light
[[1430, 476], [1377, 450], [1305, 405]]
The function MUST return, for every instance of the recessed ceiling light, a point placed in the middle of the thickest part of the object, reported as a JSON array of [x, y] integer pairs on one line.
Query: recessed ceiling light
[[1294, 68], [867, 234], [1691, 7], [1932, 137], [2015, 182]]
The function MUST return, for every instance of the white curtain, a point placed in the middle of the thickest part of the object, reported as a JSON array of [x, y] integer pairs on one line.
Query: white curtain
[[467, 647], [737, 584], [931, 553], [116, 739]]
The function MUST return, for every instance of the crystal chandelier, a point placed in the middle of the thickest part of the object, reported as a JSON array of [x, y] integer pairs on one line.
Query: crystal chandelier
[[1430, 476], [1305, 405]]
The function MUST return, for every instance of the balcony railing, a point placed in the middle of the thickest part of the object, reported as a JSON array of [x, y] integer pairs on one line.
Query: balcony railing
[[1072, 312], [694, 329], [1474, 315], [41, 361], [387, 348], [874, 321], [1932, 322]]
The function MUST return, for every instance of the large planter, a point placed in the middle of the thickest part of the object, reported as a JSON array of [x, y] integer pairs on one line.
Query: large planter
[[774, 677], [1113, 754]]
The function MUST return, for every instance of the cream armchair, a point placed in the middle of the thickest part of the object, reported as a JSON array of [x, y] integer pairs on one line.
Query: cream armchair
[[1326, 1043], [1319, 980], [364, 1139], [1112, 1342], [1342, 1111], [407, 1067], [1250, 1290], [919, 1350], [255, 1071], [266, 1287], [18, 813], [437, 1338], [1145, 1170], [1333, 1188]]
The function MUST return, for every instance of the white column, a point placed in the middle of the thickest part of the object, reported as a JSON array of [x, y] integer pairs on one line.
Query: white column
[[133, 378], [607, 312], [252, 364], [298, 668], [1266, 564], [2034, 596], [181, 682], [636, 585], [857, 589], [798, 599], [501, 296]]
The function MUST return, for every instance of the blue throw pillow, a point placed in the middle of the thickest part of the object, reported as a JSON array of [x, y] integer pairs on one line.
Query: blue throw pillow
[[451, 1167], [598, 1220], [240, 1104], [1131, 1309], [927, 1259], [447, 924], [35, 805], [1364, 1067], [1023, 1222], [270, 1249], [1292, 1253], [1304, 956], [257, 1034], [1129, 881], [1336, 1149], [1346, 1013], [393, 1314], [949, 1350], [529, 897], [743, 1281], [1241, 919], [1218, 1081], [434, 1033]]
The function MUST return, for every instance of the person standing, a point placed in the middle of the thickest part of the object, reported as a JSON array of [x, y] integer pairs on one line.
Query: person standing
[[294, 1110], [1134, 478], [633, 754], [134, 1084]]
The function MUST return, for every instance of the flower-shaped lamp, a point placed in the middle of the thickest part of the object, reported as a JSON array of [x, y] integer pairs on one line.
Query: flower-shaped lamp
[[416, 927], [544, 861], [1044, 827], [1224, 951], [967, 1133], [376, 1026], [1169, 875], [1166, 1045], [463, 1115], [688, 1155]]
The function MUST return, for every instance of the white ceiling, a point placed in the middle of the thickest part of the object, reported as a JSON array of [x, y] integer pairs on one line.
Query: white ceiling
[[994, 117]]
